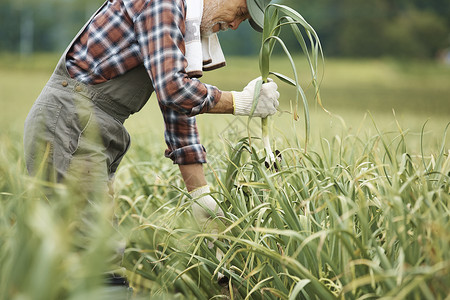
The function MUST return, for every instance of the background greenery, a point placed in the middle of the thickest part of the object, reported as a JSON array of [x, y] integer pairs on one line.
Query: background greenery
[[417, 91], [400, 28]]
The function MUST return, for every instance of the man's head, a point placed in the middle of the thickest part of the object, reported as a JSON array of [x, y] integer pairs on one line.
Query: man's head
[[221, 15]]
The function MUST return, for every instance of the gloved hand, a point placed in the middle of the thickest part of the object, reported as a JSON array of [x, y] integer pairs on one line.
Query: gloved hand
[[203, 208], [267, 101]]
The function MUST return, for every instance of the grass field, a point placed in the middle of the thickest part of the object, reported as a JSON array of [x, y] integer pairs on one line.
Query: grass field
[[362, 214]]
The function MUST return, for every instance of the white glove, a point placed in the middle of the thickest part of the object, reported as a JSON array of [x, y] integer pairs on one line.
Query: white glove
[[204, 207], [205, 220], [267, 101]]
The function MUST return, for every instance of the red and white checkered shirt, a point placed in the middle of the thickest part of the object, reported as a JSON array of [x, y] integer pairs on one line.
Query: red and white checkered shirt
[[127, 33]]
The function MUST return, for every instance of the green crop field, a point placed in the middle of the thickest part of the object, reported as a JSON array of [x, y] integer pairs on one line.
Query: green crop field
[[363, 213]]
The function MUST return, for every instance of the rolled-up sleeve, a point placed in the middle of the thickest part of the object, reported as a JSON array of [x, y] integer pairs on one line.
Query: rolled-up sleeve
[[160, 28], [182, 138]]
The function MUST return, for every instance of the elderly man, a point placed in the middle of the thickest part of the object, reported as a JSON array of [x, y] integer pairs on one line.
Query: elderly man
[[126, 51]]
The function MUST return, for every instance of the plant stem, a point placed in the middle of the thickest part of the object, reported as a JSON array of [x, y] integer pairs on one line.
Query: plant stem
[[270, 158]]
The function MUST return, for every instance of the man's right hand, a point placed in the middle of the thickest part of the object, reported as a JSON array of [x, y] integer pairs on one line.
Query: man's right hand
[[267, 101]]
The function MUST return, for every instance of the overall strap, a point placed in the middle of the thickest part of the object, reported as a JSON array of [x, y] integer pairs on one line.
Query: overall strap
[[120, 96]]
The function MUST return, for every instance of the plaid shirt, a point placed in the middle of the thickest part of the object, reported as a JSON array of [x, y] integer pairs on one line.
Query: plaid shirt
[[127, 33]]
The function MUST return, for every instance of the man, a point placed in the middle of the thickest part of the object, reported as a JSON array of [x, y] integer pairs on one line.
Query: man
[[127, 50]]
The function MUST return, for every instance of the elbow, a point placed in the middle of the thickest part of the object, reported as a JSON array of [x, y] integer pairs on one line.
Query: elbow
[[173, 95]]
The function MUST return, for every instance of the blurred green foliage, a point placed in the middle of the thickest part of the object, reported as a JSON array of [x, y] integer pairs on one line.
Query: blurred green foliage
[[357, 28], [399, 28]]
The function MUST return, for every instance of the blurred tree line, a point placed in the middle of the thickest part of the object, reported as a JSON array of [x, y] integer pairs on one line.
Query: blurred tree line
[[42, 25], [368, 28], [356, 28]]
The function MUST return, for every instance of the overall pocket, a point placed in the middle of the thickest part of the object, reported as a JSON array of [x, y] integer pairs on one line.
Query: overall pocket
[[79, 117], [39, 135]]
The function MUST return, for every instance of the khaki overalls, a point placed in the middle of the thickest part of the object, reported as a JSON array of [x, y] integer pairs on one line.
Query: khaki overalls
[[76, 130]]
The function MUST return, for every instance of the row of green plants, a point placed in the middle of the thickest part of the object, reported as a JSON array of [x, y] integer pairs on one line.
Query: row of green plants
[[352, 218], [357, 219]]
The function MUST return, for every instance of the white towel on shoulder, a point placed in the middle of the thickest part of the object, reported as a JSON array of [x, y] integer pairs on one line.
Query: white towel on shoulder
[[202, 53]]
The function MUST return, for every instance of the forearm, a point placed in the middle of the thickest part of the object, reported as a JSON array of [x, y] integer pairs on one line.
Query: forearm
[[224, 105], [193, 176]]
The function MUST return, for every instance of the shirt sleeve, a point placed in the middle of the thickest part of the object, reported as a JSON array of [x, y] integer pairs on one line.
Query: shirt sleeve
[[160, 29], [182, 138]]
